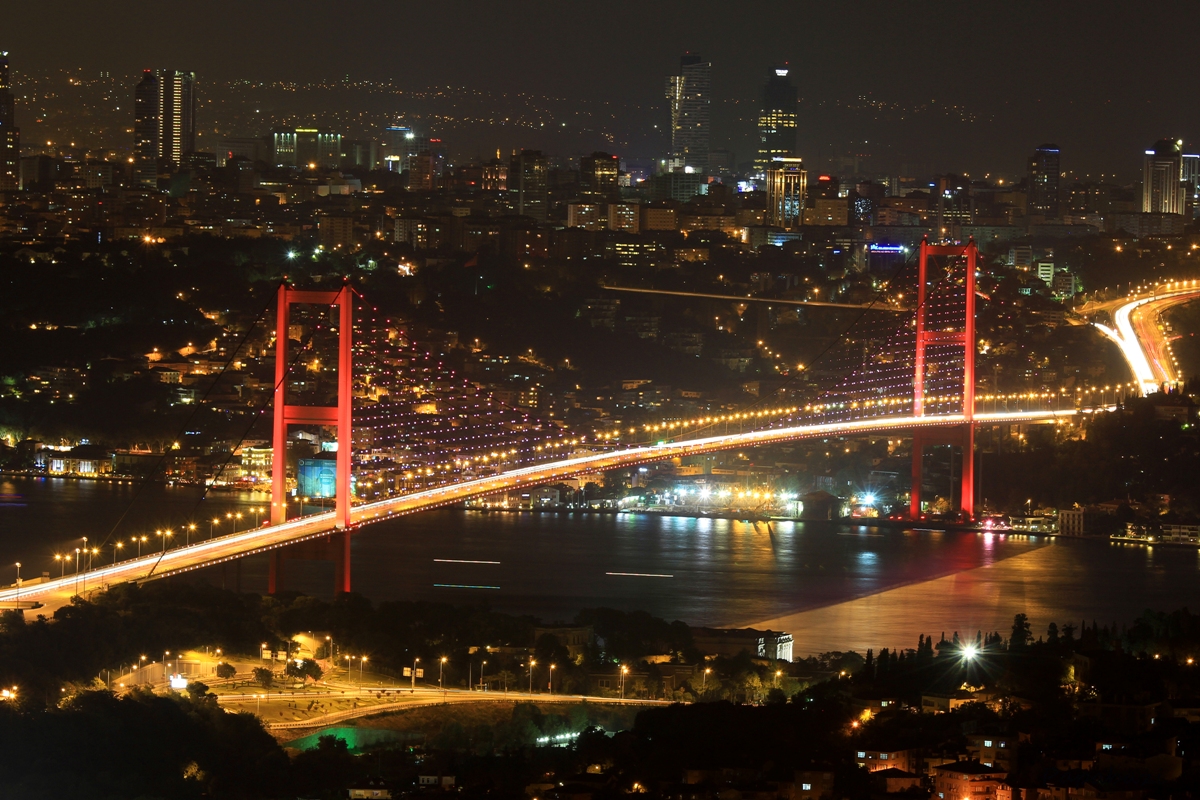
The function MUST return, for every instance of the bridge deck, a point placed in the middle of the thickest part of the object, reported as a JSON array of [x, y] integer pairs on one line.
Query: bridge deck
[[58, 591]]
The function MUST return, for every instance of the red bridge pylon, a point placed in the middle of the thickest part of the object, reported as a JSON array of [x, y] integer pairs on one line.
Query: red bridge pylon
[[962, 436], [336, 546]]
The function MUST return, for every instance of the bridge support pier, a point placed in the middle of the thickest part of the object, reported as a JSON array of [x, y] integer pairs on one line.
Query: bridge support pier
[[335, 547], [959, 436]]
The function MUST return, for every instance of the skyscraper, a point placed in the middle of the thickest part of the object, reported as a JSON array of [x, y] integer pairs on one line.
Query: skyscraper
[[1044, 176], [787, 183], [598, 174], [164, 126], [145, 129], [690, 95], [10, 135], [776, 120], [1162, 178], [527, 180], [1191, 181]]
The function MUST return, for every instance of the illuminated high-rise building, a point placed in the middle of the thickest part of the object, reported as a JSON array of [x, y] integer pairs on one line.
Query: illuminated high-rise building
[[1162, 178], [777, 120], [145, 129], [528, 183], [690, 96], [164, 121], [598, 174], [787, 184], [1191, 181], [1044, 177], [10, 135]]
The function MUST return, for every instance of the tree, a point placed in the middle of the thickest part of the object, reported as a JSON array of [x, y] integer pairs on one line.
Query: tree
[[303, 669], [264, 677], [225, 671], [1021, 634], [1052, 634]]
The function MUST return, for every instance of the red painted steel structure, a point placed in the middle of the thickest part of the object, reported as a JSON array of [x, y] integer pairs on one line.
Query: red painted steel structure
[[337, 546], [962, 436]]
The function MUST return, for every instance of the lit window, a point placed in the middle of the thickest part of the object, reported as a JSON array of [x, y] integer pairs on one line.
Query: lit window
[[883, 756], [806, 787], [987, 742], [862, 754]]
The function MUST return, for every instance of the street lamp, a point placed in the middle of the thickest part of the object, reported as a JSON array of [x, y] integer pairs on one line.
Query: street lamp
[[211, 523], [416, 660], [704, 679], [187, 536], [62, 571], [531, 665], [550, 685], [778, 672], [482, 671], [441, 666], [18, 581], [116, 546], [76, 570], [624, 671], [361, 660]]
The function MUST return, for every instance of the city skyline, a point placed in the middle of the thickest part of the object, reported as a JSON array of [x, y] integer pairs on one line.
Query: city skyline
[[948, 117]]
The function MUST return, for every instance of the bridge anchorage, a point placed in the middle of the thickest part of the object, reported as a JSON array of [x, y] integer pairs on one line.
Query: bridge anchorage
[[335, 546]]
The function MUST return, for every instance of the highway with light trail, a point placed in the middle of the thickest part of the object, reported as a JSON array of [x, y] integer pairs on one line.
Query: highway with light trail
[[56, 592]]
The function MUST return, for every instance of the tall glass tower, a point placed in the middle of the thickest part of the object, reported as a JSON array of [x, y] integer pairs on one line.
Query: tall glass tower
[[777, 121], [10, 135], [690, 96]]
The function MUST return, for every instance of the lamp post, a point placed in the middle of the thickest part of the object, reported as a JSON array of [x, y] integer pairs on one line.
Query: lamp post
[[416, 661], [704, 679], [18, 581], [624, 671], [76, 570], [550, 684], [441, 667], [62, 571], [482, 670], [778, 672], [531, 665], [116, 546], [187, 535], [211, 524], [361, 661]]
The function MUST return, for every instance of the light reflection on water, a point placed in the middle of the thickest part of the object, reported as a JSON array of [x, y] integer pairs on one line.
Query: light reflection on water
[[832, 587]]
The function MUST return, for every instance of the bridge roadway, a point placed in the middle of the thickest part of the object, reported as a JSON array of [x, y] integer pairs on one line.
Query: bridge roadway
[[58, 591]]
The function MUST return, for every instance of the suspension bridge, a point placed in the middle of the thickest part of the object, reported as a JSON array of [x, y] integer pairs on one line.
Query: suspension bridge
[[918, 381]]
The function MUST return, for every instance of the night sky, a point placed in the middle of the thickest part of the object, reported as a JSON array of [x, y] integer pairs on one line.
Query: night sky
[[1103, 80]]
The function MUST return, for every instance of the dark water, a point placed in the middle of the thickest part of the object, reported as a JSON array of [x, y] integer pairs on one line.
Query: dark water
[[832, 587]]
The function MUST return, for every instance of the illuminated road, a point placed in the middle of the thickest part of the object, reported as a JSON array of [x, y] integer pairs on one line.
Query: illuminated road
[[1137, 335], [58, 591]]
